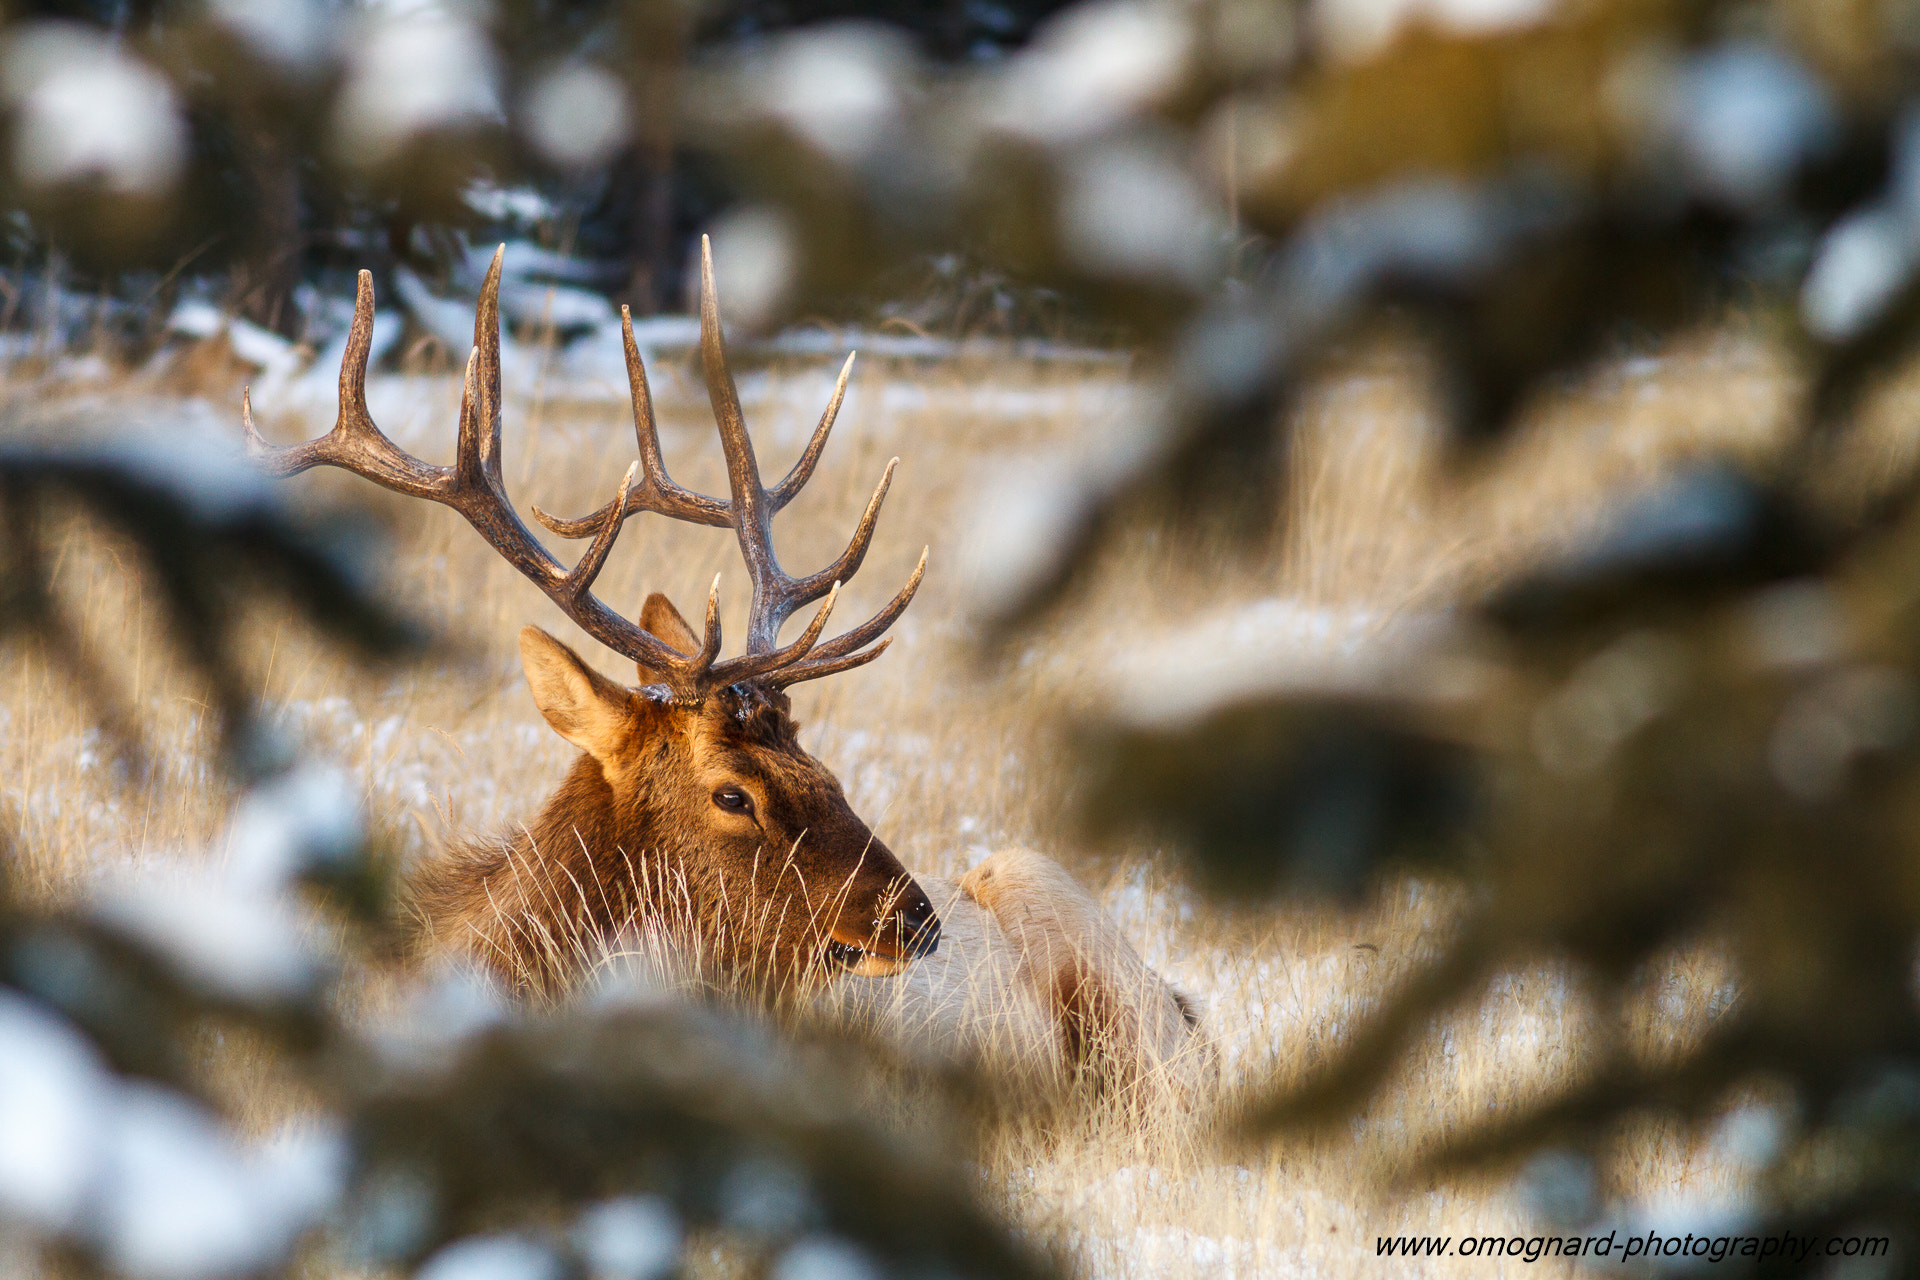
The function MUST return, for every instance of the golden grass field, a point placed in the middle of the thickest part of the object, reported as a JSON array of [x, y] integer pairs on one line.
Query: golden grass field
[[945, 755]]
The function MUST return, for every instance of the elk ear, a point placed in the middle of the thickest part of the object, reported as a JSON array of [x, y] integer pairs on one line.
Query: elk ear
[[583, 706], [660, 617]]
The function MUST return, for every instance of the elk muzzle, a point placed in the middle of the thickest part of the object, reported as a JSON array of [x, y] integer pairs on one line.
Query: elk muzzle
[[892, 941]]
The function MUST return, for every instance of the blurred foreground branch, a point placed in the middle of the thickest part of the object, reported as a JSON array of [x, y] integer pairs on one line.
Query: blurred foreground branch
[[1698, 727]]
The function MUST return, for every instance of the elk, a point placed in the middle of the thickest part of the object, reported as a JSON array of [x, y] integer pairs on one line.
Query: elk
[[692, 797]]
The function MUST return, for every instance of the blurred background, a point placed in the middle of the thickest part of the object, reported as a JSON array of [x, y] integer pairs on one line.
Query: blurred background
[[1423, 498]]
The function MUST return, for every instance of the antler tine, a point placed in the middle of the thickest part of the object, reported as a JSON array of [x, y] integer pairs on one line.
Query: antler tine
[[356, 442], [486, 345], [876, 626], [710, 643], [478, 496], [469, 469], [752, 512], [753, 665], [580, 580], [257, 447], [353, 361], [814, 668], [646, 433], [810, 587], [657, 491], [783, 493], [663, 495], [750, 509], [775, 595]]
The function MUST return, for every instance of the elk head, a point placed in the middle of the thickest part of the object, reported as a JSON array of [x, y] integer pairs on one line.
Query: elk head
[[698, 766]]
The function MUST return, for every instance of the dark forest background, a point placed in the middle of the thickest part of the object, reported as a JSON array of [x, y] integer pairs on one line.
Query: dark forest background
[[261, 204]]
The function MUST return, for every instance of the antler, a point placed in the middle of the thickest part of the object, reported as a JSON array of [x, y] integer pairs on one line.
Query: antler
[[750, 512], [472, 487]]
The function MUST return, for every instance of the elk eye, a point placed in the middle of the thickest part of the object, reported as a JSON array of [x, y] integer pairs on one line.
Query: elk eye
[[733, 800]]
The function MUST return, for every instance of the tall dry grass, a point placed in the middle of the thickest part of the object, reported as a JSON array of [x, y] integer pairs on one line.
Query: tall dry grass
[[945, 756]]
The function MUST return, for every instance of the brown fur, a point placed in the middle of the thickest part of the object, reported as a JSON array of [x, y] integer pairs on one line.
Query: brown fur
[[636, 823], [966, 1003], [1116, 1018], [635, 844]]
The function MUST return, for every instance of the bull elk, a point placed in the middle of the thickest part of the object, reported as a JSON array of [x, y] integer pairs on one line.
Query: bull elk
[[693, 786]]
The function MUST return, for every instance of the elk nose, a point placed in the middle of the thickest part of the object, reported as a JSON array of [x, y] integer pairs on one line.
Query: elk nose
[[919, 926]]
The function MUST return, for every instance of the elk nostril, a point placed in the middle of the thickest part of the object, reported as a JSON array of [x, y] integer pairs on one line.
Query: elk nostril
[[920, 927]]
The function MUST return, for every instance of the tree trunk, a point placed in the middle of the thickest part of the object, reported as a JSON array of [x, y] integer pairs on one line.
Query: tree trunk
[[657, 34], [269, 270]]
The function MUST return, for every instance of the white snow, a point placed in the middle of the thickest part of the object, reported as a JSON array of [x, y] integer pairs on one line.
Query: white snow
[[408, 74], [632, 1238], [577, 114], [306, 818], [241, 944], [1260, 646], [53, 1093], [85, 107], [502, 1257], [827, 1258], [1090, 68]]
